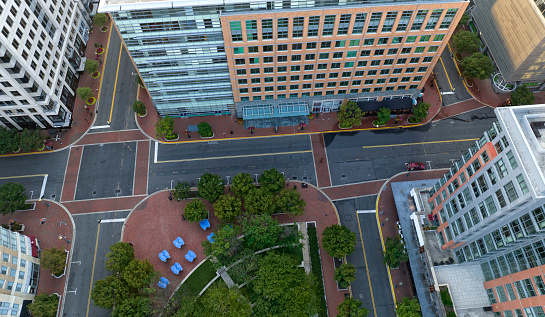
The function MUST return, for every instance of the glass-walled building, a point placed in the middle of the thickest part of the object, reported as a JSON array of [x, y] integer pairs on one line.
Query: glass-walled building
[[263, 59]]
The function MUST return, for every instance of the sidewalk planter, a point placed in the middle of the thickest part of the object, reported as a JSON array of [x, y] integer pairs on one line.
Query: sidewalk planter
[[409, 121], [100, 51], [205, 130], [95, 75], [41, 148], [65, 266], [91, 101], [18, 150], [377, 124], [143, 115], [104, 29], [208, 137], [458, 57], [345, 128], [173, 138], [468, 81]]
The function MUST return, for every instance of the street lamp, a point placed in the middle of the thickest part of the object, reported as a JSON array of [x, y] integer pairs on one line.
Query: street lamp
[[61, 237], [61, 223]]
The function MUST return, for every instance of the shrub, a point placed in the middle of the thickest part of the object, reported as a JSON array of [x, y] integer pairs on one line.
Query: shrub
[[195, 211], [445, 298], [464, 19], [205, 130], [164, 127], [139, 81], [316, 265], [522, 96], [90, 66], [100, 19], [349, 114], [395, 252], [139, 107], [84, 93]]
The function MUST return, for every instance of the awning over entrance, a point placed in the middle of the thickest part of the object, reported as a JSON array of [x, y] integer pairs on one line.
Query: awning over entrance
[[275, 111], [393, 104]]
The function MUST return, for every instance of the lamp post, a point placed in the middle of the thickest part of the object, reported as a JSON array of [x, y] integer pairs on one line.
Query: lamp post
[[61, 237]]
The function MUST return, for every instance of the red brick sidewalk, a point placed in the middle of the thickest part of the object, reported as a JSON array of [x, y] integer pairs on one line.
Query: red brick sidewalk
[[72, 172], [458, 108], [323, 178], [353, 190], [140, 181], [112, 136], [155, 223], [103, 204]]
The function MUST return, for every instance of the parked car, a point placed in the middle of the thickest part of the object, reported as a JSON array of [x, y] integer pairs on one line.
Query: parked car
[[415, 166]]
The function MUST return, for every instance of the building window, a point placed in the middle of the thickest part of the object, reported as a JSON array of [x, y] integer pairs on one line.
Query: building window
[[511, 191], [329, 25], [540, 285], [236, 31], [501, 199], [326, 44], [438, 37], [344, 24], [238, 50], [433, 49], [419, 19], [434, 18], [354, 43], [368, 42], [510, 291], [251, 30], [447, 20], [282, 28], [359, 23], [267, 29], [404, 21], [389, 21], [512, 160], [311, 45], [374, 22], [298, 25], [500, 168], [522, 185], [491, 297], [313, 26]]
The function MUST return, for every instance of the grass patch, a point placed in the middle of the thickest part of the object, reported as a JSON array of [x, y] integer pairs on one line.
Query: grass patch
[[317, 270], [296, 251], [194, 284]]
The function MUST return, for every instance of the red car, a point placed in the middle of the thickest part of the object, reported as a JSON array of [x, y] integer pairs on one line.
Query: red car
[[414, 166]]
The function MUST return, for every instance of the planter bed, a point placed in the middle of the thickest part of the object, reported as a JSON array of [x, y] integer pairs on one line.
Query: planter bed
[[316, 262]]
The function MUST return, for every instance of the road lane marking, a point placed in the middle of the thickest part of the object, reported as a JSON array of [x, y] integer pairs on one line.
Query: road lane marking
[[115, 83], [384, 250], [156, 150], [103, 69], [100, 126], [446, 73], [418, 143], [372, 211], [233, 156], [113, 220], [93, 272], [43, 186], [366, 266], [23, 176]]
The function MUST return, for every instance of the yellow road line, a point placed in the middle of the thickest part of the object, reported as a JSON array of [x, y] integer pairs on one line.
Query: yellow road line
[[418, 143], [36, 175], [366, 266], [105, 59], [115, 83], [93, 272], [384, 249], [440, 59], [233, 156]]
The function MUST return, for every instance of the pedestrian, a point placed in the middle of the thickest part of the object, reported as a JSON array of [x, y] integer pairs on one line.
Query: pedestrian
[[42, 221], [224, 134], [183, 217]]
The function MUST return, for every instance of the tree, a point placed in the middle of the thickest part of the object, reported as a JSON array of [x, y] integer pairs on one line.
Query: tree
[[289, 201], [409, 307], [227, 208], [522, 96], [204, 130], [44, 305], [120, 255], [225, 243], [395, 252], [12, 198], [31, 140], [272, 180], [383, 115], [139, 81], [139, 107], [181, 191], [108, 291], [134, 306], [260, 231], [54, 259], [345, 274], [466, 42], [349, 114], [259, 201], [91, 66], [100, 19], [351, 308], [464, 19], [242, 184], [138, 274], [279, 280], [9, 140], [420, 111], [195, 210], [338, 241], [225, 302], [164, 127], [84, 93], [210, 187], [477, 66]]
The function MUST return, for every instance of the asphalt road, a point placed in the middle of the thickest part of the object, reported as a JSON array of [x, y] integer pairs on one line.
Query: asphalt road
[[291, 155], [90, 254], [449, 80], [18, 168], [106, 170], [370, 155]]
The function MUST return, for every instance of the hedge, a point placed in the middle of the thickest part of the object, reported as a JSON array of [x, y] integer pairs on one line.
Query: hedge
[[317, 270]]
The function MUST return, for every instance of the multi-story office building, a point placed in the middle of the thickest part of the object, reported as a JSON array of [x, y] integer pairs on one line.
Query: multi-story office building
[[41, 42], [265, 59], [514, 34], [19, 271], [491, 210]]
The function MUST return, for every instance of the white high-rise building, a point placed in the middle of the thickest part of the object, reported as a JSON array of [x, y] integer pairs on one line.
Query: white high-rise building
[[41, 44]]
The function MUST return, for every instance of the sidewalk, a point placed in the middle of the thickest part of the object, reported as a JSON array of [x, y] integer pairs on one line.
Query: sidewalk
[[227, 126]]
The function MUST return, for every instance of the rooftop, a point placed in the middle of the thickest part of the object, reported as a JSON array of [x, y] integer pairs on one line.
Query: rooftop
[[525, 126]]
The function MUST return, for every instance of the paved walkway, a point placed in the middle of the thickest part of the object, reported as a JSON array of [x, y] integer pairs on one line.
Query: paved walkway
[[353, 190], [320, 160]]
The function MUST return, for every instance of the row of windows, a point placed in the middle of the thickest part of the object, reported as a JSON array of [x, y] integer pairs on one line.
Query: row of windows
[[525, 289], [334, 75]]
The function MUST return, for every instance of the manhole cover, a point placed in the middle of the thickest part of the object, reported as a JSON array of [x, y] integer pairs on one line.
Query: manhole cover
[[53, 196], [294, 177], [94, 192], [343, 176], [117, 191], [305, 178]]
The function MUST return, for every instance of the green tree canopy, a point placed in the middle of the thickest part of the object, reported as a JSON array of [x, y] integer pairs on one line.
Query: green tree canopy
[[210, 187], [242, 184], [109, 290], [195, 210], [420, 111], [31, 140], [383, 115], [272, 180], [44, 305], [338, 241], [100, 19], [466, 42], [138, 274], [12, 197], [204, 129], [349, 114], [280, 281], [91, 66], [351, 308], [227, 208], [522, 96], [120, 255], [345, 274], [260, 231], [181, 191], [84, 93], [54, 259], [408, 308], [221, 301], [395, 252], [9, 140], [164, 127], [289, 201], [477, 66], [139, 107], [225, 243], [464, 19], [134, 306], [259, 201]]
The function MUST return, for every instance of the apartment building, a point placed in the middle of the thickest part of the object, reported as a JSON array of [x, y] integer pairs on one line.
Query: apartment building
[[490, 209], [19, 271], [41, 42], [514, 34], [262, 59]]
